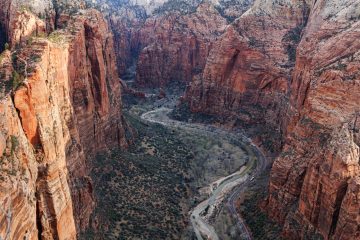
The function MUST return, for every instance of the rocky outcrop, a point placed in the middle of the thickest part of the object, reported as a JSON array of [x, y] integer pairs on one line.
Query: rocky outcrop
[[314, 183], [176, 45], [169, 42], [247, 74], [21, 19], [292, 66], [60, 104]]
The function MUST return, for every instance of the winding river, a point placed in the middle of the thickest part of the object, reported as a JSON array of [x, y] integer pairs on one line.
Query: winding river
[[225, 190]]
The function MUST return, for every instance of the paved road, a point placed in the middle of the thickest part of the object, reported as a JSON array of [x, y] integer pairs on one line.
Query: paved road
[[229, 188]]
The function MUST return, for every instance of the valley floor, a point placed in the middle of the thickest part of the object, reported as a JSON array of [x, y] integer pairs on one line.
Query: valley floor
[[176, 178]]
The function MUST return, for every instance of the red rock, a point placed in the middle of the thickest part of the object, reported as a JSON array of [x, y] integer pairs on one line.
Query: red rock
[[323, 134], [250, 75], [67, 109]]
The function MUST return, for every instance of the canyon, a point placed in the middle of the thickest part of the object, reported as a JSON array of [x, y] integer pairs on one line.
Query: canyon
[[285, 72], [299, 75]]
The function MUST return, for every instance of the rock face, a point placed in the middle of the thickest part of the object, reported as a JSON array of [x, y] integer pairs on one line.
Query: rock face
[[176, 45], [169, 42], [316, 178], [18, 22], [247, 74], [60, 104], [293, 67]]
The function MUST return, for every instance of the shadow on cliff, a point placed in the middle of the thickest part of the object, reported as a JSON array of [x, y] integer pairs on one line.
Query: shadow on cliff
[[2, 39]]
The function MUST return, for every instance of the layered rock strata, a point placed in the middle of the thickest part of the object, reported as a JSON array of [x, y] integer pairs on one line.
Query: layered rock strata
[[315, 181], [248, 71], [168, 43], [60, 104], [293, 67]]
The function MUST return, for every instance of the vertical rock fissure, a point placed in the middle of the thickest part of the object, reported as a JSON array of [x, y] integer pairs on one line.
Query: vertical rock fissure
[[2, 38], [230, 65], [95, 67], [339, 199], [56, 8], [316, 211], [38, 218], [45, 208]]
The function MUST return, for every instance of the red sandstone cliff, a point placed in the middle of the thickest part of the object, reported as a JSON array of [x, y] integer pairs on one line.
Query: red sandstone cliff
[[170, 43], [293, 67], [315, 181], [60, 104], [247, 73], [176, 46]]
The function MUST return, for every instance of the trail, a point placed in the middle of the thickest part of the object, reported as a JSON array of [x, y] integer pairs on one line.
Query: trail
[[225, 190]]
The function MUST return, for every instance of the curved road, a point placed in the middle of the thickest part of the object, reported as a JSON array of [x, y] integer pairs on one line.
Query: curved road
[[228, 188]]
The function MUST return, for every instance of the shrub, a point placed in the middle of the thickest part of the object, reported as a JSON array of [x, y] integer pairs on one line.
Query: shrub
[[14, 143], [16, 80], [56, 37]]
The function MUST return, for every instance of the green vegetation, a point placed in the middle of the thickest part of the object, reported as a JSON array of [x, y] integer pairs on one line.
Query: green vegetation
[[142, 191], [291, 51], [293, 38], [261, 226], [341, 66], [57, 37], [146, 192], [253, 42], [182, 113], [14, 143], [15, 81], [184, 7], [9, 165]]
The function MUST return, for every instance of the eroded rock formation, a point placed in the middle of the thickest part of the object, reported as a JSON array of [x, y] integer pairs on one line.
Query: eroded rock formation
[[293, 67], [315, 181], [248, 71], [170, 42], [60, 104]]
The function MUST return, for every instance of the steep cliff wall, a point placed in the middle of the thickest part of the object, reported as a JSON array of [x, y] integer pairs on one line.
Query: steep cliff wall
[[60, 104], [247, 74], [170, 42], [176, 46], [293, 67], [315, 181], [19, 19]]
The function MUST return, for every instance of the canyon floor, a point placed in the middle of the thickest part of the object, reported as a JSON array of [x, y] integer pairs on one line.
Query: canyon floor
[[179, 180]]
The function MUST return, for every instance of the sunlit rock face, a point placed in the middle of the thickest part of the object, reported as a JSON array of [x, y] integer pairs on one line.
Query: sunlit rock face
[[60, 103]]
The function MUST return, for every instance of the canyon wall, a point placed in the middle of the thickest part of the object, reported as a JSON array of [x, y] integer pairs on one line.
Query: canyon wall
[[314, 185], [60, 104], [176, 46], [292, 68], [247, 74], [170, 42]]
